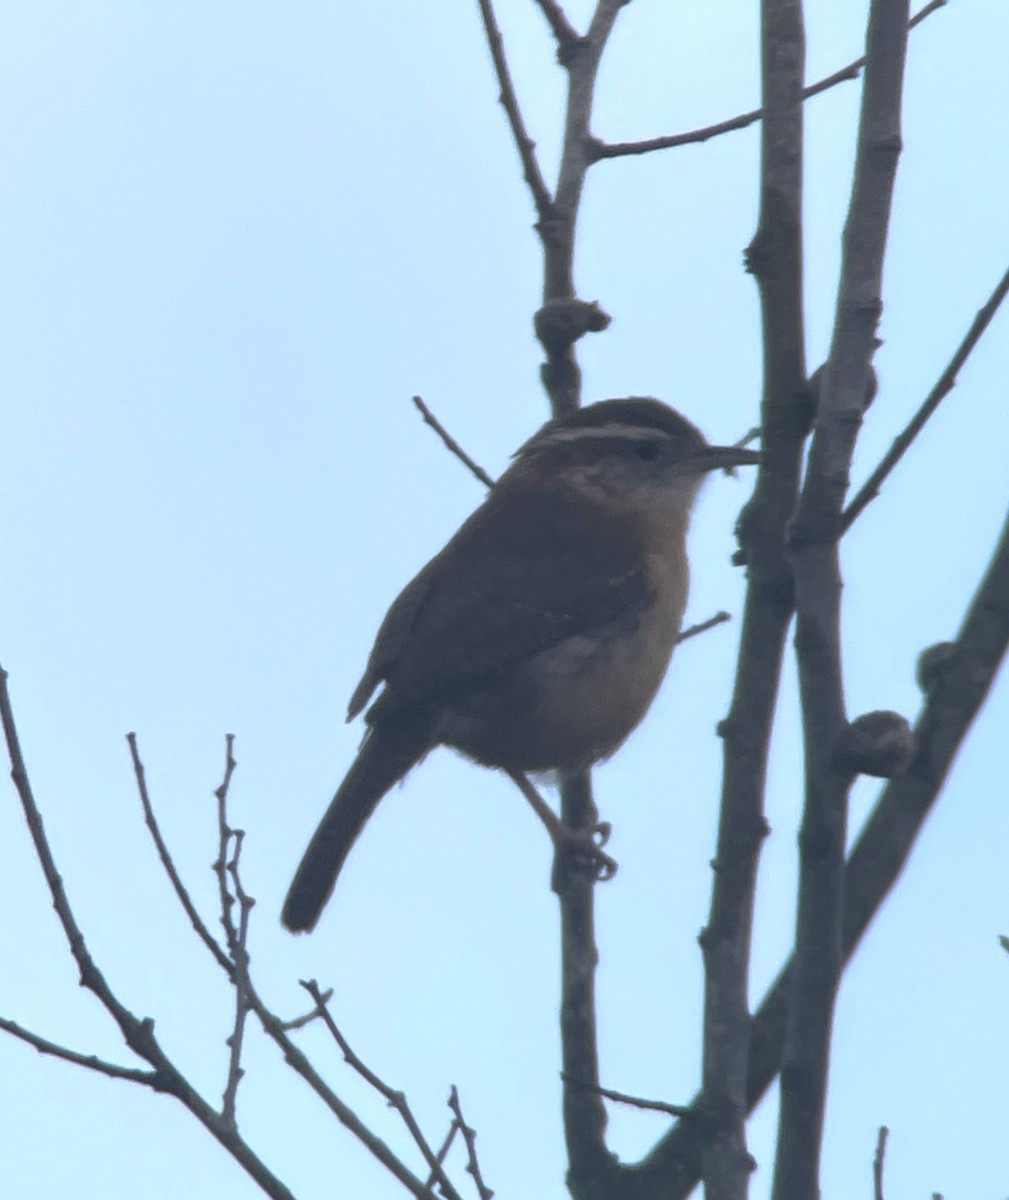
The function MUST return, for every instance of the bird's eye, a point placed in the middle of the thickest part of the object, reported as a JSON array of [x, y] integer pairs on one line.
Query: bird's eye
[[647, 451]]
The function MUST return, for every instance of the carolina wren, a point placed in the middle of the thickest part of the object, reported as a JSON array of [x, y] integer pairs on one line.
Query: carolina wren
[[540, 634]]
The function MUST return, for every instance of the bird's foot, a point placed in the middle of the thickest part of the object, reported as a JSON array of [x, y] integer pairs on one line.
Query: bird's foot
[[579, 847], [583, 848]]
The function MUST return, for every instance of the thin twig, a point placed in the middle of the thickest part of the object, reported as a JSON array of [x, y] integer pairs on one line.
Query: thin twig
[[524, 143], [240, 953], [674, 1110], [90, 1061], [601, 150], [877, 1163], [879, 855], [563, 30], [944, 385], [228, 850], [395, 1099], [138, 1033], [702, 627], [299, 1062], [469, 1137], [442, 1152], [224, 836], [450, 442], [277, 1030], [563, 317], [310, 1016], [169, 865]]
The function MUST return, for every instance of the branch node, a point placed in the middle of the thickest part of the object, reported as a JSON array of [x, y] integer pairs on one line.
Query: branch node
[[560, 323], [933, 666], [877, 743]]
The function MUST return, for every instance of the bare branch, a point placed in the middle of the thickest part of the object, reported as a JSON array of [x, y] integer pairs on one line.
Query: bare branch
[[90, 1061], [137, 1033], [300, 1064], [224, 836], [673, 1110], [167, 862], [240, 954], [775, 257], [277, 1030], [601, 150], [703, 626], [393, 1098], [814, 533], [469, 1137], [584, 1112], [443, 1150], [308, 1017], [563, 30], [564, 318], [450, 442], [673, 1169], [877, 1163], [524, 143], [944, 385]]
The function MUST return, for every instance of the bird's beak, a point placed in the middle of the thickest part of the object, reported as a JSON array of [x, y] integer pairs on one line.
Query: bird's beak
[[711, 458]]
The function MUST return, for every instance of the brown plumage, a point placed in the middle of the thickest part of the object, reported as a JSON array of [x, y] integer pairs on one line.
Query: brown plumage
[[537, 638]]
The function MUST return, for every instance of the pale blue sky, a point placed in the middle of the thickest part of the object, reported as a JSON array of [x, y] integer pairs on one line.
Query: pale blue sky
[[235, 239]]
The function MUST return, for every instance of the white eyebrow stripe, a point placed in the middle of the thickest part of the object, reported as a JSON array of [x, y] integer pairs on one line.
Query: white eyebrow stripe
[[577, 433]]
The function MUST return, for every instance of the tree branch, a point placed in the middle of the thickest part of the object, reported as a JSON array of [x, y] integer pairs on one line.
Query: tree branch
[[673, 1169], [814, 545], [90, 1061], [591, 1166], [137, 1033], [523, 142], [775, 257], [601, 150], [395, 1099], [451, 444], [469, 1137], [563, 30], [564, 318], [944, 385], [692, 631], [181, 892], [877, 1163]]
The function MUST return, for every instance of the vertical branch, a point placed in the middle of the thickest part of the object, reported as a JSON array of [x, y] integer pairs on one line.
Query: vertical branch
[[814, 545], [564, 318], [509, 102], [561, 321], [954, 699], [591, 1165], [775, 257]]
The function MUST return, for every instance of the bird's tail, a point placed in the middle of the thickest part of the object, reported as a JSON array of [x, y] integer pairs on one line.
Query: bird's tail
[[384, 758]]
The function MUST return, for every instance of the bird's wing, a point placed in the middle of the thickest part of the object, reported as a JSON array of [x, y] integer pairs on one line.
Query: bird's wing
[[517, 578]]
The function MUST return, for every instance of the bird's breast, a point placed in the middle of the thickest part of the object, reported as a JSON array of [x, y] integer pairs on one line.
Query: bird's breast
[[574, 703]]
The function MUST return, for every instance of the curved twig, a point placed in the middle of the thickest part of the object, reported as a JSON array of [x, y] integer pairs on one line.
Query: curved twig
[[944, 385], [602, 150]]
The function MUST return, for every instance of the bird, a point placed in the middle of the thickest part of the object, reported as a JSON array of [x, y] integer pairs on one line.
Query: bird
[[537, 638]]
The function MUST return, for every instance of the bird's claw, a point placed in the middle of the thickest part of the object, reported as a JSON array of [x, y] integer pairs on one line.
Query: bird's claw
[[584, 846]]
